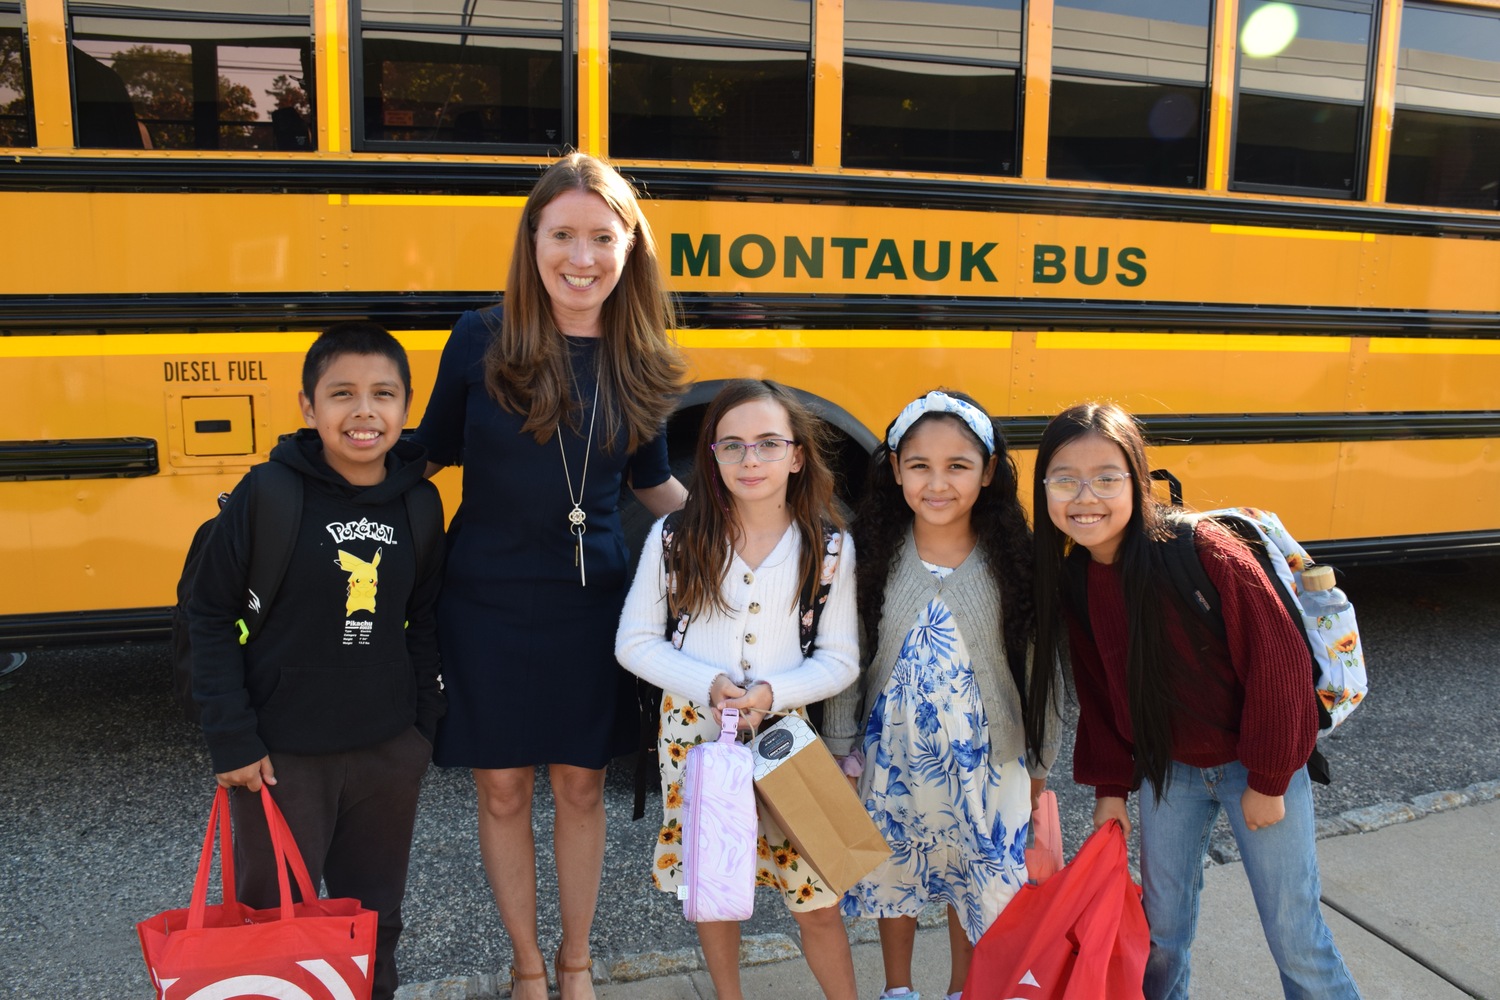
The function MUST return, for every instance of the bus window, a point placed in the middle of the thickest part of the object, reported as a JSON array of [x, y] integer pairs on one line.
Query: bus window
[[1129, 89], [1445, 145], [710, 81], [15, 87], [932, 86], [461, 75], [161, 74], [1303, 85]]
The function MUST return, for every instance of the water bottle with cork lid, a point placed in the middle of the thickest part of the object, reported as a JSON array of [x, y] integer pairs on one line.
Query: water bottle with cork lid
[[1319, 595]]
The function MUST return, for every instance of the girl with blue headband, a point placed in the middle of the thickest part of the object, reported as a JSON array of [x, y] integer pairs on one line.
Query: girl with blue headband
[[934, 728]]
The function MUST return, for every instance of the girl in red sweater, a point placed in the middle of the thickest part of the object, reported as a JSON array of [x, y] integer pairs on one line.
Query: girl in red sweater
[[1210, 725]]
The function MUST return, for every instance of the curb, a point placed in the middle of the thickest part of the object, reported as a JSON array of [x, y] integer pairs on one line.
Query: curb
[[763, 949]]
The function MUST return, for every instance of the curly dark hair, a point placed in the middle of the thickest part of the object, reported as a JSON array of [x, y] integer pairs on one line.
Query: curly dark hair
[[883, 519]]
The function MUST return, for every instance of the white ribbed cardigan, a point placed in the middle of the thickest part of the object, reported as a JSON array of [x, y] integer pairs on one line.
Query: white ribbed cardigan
[[758, 640], [974, 601]]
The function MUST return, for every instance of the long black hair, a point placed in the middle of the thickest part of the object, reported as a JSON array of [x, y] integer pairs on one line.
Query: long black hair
[[883, 519], [1153, 666]]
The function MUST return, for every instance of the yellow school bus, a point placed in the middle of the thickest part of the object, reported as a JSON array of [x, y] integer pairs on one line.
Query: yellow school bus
[[1272, 229]]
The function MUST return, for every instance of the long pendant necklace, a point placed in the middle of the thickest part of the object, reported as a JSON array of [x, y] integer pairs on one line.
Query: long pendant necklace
[[578, 516]]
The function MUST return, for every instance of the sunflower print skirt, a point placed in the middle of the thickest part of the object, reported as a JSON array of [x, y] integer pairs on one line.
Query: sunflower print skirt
[[684, 725]]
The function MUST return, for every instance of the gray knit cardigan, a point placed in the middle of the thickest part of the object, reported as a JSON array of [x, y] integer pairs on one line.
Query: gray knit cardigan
[[974, 601]]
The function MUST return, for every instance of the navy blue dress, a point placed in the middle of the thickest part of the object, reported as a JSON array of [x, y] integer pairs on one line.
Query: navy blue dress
[[528, 653]]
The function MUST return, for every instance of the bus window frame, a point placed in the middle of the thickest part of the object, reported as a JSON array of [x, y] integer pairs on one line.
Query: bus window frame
[[107, 13], [1018, 98], [1205, 108], [568, 100], [807, 50], [1358, 192], [29, 93], [1438, 7]]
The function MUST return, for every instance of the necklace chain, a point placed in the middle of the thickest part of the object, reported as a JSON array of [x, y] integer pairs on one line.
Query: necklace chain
[[577, 517]]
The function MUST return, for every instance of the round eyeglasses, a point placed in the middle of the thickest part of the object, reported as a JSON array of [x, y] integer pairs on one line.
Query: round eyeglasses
[[766, 450], [1106, 486]]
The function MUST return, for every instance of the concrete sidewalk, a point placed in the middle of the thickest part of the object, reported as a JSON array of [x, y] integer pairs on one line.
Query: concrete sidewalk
[[1414, 907]]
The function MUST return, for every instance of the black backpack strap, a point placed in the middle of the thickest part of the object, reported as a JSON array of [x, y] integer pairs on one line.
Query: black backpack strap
[[1191, 581], [810, 605], [814, 597], [676, 624], [275, 514], [648, 695], [424, 511], [1189, 578]]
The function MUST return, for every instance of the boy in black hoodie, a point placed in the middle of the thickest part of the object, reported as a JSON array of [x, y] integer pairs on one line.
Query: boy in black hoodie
[[336, 700]]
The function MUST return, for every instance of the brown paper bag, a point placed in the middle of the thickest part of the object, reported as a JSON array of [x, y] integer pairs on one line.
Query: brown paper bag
[[798, 782]]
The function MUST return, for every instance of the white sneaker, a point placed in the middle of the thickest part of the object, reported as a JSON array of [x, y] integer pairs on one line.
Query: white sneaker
[[902, 992]]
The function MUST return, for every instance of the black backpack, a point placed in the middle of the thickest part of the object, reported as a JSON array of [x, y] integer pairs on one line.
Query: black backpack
[[275, 495], [1197, 592], [810, 604]]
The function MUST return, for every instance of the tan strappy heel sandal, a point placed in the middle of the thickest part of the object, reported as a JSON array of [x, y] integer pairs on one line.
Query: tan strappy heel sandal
[[562, 970], [523, 977]]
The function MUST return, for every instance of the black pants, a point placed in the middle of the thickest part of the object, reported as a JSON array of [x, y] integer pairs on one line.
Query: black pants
[[352, 816]]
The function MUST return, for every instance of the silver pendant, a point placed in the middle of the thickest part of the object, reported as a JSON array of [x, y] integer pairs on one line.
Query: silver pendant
[[576, 525]]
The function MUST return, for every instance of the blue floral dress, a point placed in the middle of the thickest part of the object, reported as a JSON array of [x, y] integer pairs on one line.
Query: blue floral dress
[[956, 820]]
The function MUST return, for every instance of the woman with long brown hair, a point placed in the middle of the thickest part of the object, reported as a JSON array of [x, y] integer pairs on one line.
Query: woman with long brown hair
[[553, 402]]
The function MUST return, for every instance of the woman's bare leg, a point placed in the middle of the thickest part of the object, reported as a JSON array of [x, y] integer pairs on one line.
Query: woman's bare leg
[[578, 843], [509, 854]]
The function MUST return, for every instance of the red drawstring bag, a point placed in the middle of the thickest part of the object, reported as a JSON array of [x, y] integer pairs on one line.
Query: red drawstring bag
[[322, 949], [1081, 936]]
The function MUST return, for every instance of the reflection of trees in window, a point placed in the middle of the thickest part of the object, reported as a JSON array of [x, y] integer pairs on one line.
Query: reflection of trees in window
[[290, 120], [289, 92], [15, 104], [487, 74], [436, 101], [173, 74], [160, 83]]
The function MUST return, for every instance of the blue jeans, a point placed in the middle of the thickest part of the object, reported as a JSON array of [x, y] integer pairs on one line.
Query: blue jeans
[[1280, 860]]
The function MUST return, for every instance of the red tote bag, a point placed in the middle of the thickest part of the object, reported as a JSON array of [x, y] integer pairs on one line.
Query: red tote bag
[[321, 949], [1081, 936]]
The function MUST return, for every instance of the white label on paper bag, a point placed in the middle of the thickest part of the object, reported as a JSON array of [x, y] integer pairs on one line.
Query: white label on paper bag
[[773, 740]]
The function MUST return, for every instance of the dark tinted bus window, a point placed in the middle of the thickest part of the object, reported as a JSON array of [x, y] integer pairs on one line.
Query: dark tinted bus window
[[936, 92], [1445, 146], [168, 75], [1129, 87], [481, 74], [710, 81], [15, 87], [1301, 108]]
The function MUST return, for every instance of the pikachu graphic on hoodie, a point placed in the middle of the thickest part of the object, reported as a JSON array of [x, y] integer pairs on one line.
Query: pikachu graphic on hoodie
[[364, 580]]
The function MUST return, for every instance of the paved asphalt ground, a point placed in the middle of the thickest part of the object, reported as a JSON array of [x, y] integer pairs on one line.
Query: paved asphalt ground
[[104, 794]]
